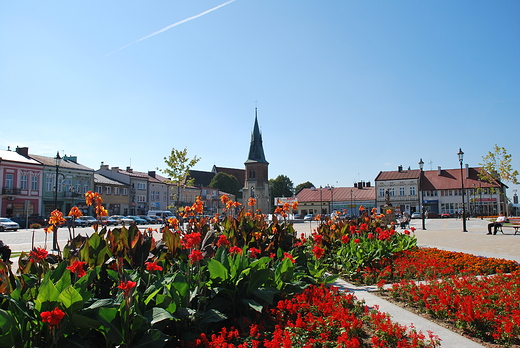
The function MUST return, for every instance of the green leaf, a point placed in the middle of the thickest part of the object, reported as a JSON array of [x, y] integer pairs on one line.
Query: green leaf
[[253, 304], [71, 299], [211, 316], [217, 271], [46, 293], [157, 315], [151, 339], [111, 321]]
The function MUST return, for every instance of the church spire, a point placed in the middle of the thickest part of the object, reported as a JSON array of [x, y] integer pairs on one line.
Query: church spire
[[256, 149]]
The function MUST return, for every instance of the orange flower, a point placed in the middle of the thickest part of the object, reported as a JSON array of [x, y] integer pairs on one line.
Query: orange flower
[[173, 222], [295, 206], [236, 204], [251, 202], [388, 212], [224, 199], [56, 217], [75, 212]]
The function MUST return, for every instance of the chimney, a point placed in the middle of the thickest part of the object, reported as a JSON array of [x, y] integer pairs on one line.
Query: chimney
[[71, 158], [400, 169], [151, 173], [439, 170], [115, 169], [129, 169], [360, 185], [467, 171], [24, 151], [355, 184], [368, 183]]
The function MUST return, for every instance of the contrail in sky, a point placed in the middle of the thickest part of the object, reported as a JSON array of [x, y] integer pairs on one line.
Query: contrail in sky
[[173, 25]]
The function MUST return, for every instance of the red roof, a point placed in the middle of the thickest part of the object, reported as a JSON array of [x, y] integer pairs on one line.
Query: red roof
[[448, 179], [339, 194], [399, 175]]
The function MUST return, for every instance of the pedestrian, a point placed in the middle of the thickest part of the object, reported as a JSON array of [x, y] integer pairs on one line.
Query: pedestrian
[[5, 252], [498, 222]]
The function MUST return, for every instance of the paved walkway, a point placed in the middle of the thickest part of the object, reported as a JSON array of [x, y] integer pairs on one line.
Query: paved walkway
[[443, 234]]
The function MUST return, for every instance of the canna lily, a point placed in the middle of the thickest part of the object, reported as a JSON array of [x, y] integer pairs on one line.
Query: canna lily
[[77, 268], [56, 217], [53, 317], [75, 212]]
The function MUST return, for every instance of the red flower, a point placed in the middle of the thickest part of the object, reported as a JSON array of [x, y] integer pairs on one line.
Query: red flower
[[38, 254], [345, 239], [318, 252], [191, 240], [235, 250], [370, 236], [196, 256], [318, 238], [127, 286], [412, 228], [222, 240], [53, 317], [153, 266], [357, 241], [77, 268], [288, 256], [254, 252]]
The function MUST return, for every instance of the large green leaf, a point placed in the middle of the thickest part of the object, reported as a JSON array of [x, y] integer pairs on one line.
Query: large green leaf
[[47, 292], [71, 299], [111, 321], [218, 273]]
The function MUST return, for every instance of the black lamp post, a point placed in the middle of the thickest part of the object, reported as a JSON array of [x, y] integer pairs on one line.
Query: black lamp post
[[421, 165], [321, 203], [461, 158], [480, 208], [57, 161]]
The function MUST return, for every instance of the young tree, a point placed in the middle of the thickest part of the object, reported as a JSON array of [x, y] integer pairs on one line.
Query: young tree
[[301, 186], [496, 166], [178, 168], [282, 186], [226, 182]]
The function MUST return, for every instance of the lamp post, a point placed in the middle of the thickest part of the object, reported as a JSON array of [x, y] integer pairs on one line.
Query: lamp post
[[351, 204], [421, 166], [461, 158], [321, 203], [57, 161], [480, 208]]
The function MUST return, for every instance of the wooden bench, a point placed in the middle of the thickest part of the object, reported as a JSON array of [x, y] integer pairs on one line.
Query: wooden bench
[[513, 223]]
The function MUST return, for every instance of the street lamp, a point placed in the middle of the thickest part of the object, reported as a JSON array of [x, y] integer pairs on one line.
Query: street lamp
[[321, 203], [421, 202], [461, 158], [57, 161]]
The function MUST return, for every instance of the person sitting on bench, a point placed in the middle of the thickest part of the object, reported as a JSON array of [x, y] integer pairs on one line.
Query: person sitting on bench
[[405, 220], [498, 222]]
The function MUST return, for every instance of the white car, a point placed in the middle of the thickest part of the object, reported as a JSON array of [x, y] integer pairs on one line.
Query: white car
[[7, 224], [308, 217], [416, 215]]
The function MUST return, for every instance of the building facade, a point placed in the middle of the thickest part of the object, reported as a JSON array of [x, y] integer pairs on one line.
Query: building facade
[[21, 183], [402, 187], [115, 194]]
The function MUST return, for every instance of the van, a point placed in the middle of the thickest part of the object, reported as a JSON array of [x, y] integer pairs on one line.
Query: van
[[161, 214]]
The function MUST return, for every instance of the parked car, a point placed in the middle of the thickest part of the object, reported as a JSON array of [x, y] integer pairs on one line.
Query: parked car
[[297, 218], [122, 220], [107, 221], [149, 219], [21, 221], [38, 219], [308, 217], [416, 215], [90, 220], [432, 215], [77, 222], [137, 220], [8, 225], [445, 214]]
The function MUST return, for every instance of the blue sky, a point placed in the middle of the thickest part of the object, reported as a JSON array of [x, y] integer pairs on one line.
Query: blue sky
[[344, 89]]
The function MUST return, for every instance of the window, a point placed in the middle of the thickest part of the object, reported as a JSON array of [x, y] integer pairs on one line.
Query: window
[[78, 187], [34, 183], [67, 184], [141, 198], [116, 190], [392, 191], [48, 183], [9, 181], [108, 190], [141, 186], [412, 191], [381, 192], [125, 191], [23, 182], [402, 191], [99, 189], [86, 187]]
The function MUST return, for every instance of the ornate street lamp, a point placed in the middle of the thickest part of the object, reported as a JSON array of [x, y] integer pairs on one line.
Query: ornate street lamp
[[57, 161], [461, 158], [421, 202]]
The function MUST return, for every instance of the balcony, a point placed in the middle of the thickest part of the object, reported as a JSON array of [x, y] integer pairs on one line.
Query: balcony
[[10, 191]]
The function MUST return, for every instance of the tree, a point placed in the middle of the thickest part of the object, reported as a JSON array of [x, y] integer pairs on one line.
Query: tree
[[301, 186], [179, 166], [226, 182], [282, 186], [496, 166]]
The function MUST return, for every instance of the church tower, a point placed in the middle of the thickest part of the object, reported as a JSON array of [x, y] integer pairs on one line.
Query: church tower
[[257, 178]]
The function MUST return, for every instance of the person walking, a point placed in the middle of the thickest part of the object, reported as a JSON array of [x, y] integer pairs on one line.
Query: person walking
[[498, 222]]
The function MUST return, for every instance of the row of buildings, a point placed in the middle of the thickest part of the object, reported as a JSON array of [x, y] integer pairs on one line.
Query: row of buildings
[[407, 190]]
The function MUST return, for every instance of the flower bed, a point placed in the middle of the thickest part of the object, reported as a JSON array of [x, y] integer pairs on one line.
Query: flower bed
[[320, 317]]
